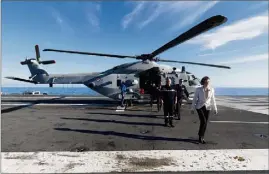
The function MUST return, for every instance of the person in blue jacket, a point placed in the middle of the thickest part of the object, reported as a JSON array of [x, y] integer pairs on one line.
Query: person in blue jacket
[[123, 91]]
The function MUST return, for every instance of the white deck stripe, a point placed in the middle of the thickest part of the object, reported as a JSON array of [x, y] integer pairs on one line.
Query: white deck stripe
[[135, 161], [244, 122], [120, 110]]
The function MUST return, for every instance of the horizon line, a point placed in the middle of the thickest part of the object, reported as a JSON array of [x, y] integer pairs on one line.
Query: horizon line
[[91, 89]]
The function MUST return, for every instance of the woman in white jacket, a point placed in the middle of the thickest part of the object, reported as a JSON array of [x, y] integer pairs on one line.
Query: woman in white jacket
[[203, 100]]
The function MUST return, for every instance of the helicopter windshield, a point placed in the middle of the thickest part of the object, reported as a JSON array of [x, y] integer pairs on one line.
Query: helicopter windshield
[[194, 81]]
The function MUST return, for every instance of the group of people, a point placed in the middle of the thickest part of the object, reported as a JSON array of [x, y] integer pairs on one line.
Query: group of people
[[171, 99]]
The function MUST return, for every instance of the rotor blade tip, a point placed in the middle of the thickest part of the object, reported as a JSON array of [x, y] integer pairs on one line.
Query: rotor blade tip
[[220, 18]]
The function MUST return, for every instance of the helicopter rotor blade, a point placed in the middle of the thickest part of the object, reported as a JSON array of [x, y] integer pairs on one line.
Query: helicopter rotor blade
[[204, 26], [89, 53], [37, 53], [195, 63], [20, 79]]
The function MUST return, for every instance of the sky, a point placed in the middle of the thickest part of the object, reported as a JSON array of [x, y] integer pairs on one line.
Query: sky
[[134, 28]]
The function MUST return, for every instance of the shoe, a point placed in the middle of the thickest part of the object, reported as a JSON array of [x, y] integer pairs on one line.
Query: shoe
[[202, 140], [172, 125], [165, 124], [178, 118]]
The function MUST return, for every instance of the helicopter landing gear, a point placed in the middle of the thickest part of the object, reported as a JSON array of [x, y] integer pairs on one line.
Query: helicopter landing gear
[[128, 103]]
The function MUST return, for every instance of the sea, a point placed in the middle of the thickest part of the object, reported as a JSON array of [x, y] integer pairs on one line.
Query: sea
[[88, 92]]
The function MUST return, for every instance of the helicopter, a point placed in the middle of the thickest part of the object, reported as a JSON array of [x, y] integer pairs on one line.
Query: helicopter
[[134, 74]]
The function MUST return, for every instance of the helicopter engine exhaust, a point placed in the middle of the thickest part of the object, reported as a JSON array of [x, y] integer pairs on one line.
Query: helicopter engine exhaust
[[183, 69], [91, 85]]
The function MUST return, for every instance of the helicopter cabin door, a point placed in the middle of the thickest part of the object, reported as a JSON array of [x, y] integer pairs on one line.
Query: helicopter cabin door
[[149, 77]]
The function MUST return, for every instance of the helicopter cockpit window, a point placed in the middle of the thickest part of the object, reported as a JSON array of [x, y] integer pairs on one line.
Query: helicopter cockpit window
[[193, 81]]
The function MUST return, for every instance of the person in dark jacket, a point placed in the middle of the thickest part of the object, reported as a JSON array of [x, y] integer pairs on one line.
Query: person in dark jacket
[[181, 90], [123, 91], [158, 96], [152, 94], [169, 100]]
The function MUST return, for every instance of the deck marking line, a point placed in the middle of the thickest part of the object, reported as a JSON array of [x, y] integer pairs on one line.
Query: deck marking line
[[244, 122]]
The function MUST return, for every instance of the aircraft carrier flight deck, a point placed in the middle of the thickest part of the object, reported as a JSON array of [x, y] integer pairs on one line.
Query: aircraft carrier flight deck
[[76, 128]]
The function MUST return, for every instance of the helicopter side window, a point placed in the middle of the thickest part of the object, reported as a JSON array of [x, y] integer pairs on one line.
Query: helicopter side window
[[118, 82], [191, 82]]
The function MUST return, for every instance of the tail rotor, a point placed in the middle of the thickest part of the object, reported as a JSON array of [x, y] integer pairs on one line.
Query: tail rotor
[[37, 53], [37, 59], [38, 74], [45, 62]]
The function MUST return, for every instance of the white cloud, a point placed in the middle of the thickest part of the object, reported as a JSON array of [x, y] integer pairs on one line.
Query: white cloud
[[59, 19], [241, 30], [127, 19], [92, 14], [231, 51], [157, 9], [188, 11], [253, 58], [192, 17]]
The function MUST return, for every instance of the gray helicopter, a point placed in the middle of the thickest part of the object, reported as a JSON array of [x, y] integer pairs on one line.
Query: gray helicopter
[[135, 75]]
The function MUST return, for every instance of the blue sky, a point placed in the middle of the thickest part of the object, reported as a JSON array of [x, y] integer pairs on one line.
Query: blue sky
[[133, 28]]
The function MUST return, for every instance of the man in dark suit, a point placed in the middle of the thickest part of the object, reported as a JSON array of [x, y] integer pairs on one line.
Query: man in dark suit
[[152, 93], [169, 101], [158, 96], [181, 90]]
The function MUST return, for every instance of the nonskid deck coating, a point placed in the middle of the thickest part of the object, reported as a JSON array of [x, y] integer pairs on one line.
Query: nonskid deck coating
[[50, 130]]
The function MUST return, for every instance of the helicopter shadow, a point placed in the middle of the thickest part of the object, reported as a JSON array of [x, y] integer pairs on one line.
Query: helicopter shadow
[[125, 115], [32, 103], [115, 121], [63, 100], [127, 135], [112, 108]]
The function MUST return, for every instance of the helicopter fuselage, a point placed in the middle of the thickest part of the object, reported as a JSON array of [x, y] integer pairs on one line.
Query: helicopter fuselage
[[108, 82]]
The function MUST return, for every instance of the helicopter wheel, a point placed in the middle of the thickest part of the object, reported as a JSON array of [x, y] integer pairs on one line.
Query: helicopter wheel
[[127, 103]]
